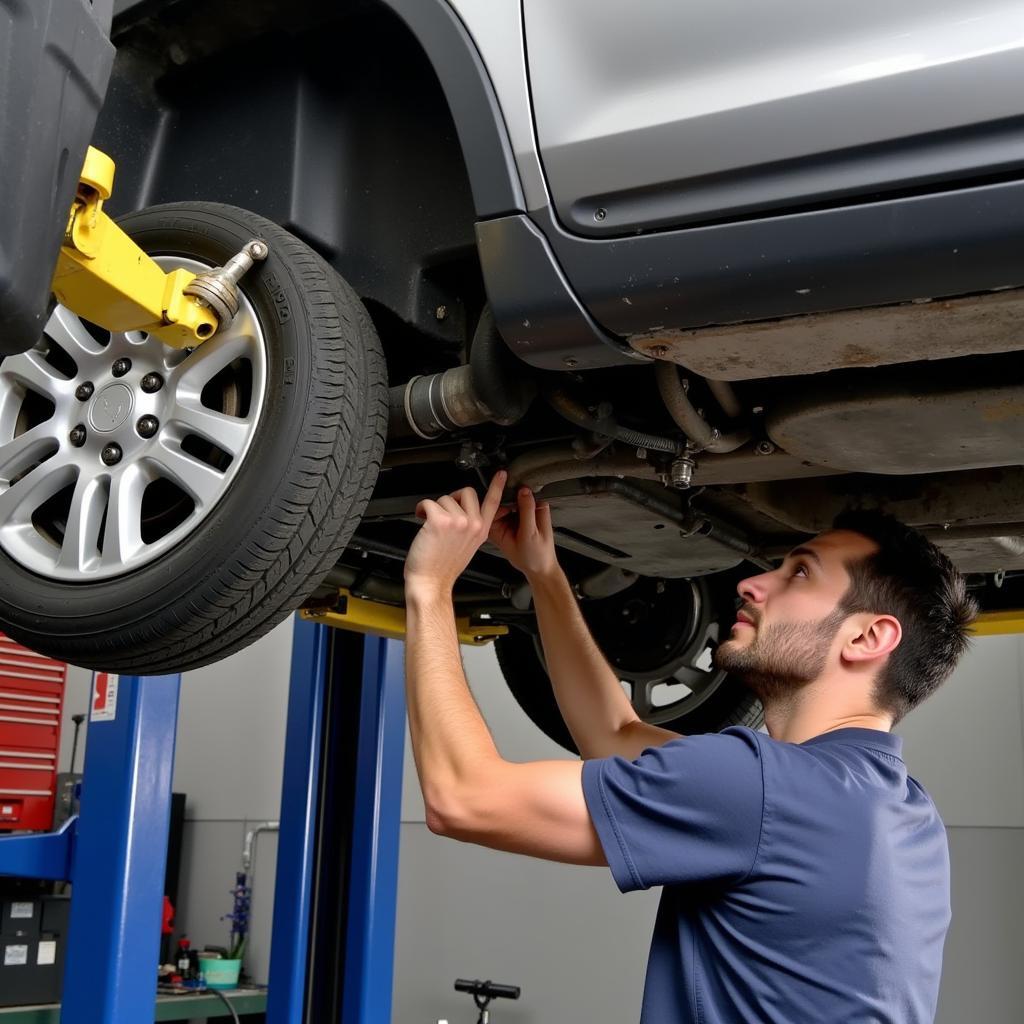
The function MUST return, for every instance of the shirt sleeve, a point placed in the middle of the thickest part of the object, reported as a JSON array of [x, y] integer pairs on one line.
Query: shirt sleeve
[[686, 812]]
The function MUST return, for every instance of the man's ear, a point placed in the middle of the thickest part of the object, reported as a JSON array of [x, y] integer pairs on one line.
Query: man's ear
[[879, 636]]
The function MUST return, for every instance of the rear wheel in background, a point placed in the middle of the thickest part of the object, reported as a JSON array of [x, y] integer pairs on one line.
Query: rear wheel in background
[[161, 509], [659, 636]]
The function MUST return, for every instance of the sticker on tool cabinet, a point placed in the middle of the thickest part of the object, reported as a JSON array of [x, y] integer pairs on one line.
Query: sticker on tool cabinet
[[15, 956], [23, 910], [47, 954], [104, 697]]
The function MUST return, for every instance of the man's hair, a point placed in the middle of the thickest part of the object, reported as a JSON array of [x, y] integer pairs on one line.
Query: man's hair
[[911, 579]]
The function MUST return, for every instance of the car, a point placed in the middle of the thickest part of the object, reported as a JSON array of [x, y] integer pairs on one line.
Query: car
[[701, 275]]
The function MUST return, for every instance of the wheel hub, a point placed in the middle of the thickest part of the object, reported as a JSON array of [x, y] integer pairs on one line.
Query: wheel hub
[[111, 407], [659, 636]]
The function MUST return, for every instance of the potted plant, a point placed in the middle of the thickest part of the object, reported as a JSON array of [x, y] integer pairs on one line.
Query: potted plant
[[223, 972]]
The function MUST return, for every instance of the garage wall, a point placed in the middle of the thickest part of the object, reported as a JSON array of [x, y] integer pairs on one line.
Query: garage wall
[[966, 744], [576, 946]]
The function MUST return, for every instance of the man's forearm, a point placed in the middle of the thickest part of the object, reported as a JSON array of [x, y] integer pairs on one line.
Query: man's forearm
[[587, 689], [451, 743]]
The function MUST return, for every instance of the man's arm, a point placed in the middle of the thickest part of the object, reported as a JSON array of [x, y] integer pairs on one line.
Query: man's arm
[[470, 792], [589, 694]]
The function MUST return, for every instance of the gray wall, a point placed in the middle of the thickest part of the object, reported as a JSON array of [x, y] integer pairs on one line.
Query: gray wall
[[576, 946]]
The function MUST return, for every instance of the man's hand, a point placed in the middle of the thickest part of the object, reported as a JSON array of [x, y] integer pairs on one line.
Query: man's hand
[[525, 537], [454, 527]]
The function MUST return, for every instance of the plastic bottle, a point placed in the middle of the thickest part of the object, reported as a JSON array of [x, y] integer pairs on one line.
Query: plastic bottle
[[183, 960]]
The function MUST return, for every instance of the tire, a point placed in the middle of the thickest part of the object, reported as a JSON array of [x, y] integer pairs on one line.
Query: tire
[[314, 410], [624, 627]]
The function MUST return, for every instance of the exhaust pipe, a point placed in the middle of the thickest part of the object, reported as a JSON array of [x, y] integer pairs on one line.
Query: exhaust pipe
[[491, 388]]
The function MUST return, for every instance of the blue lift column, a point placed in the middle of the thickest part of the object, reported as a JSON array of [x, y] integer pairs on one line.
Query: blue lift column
[[113, 853], [332, 953]]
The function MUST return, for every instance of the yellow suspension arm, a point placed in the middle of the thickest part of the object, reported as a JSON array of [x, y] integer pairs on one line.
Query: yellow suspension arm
[[104, 277]]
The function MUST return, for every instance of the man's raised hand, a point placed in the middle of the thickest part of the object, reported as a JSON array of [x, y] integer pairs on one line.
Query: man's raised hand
[[524, 535], [454, 527]]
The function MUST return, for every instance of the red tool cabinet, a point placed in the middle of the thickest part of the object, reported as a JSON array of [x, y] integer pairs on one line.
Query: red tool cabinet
[[31, 699]]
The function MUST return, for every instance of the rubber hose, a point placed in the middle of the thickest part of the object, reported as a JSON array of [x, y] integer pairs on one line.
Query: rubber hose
[[703, 436], [567, 407], [726, 397], [499, 379]]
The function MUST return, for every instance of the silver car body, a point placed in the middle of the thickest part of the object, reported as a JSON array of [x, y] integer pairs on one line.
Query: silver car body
[[659, 112]]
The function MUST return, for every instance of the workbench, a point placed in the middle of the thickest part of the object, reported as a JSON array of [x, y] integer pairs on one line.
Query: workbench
[[170, 1007]]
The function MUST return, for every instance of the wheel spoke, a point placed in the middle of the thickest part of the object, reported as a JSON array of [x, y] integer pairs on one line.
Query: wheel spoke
[[641, 698], [201, 482], [82, 533], [25, 450], [31, 370], [20, 500], [208, 360], [68, 331], [227, 432], [690, 677], [122, 535]]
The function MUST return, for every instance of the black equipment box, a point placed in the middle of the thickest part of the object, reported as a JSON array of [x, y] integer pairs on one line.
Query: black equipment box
[[33, 932]]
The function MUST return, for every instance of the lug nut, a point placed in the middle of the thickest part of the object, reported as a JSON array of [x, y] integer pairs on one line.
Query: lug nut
[[147, 426], [84, 391], [152, 382], [111, 454], [77, 436], [121, 367]]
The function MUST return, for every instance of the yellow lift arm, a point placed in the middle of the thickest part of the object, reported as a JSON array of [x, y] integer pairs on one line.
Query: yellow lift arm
[[104, 277], [361, 616], [998, 623]]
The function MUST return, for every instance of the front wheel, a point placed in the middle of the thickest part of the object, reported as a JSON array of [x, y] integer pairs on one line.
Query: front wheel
[[162, 508], [658, 636]]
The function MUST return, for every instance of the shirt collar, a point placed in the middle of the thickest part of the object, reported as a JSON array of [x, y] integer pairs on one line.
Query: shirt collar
[[887, 742]]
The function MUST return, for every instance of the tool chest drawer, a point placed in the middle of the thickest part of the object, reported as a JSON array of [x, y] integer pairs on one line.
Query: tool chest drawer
[[31, 699]]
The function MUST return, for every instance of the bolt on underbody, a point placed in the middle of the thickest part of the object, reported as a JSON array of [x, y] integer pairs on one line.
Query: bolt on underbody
[[681, 472]]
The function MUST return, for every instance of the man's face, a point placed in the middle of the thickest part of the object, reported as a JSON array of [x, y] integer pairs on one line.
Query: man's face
[[789, 618]]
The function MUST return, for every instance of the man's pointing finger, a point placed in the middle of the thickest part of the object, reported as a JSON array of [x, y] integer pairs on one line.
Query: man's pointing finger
[[493, 497]]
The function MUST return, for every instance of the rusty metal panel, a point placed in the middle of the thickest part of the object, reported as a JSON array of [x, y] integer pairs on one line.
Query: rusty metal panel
[[884, 335], [899, 428]]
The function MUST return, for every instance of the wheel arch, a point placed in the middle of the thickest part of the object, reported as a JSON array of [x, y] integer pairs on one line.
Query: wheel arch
[[370, 130]]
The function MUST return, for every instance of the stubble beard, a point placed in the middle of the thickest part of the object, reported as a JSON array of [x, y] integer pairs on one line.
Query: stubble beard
[[783, 658]]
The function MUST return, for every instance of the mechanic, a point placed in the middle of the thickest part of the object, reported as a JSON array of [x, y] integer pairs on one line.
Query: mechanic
[[805, 873]]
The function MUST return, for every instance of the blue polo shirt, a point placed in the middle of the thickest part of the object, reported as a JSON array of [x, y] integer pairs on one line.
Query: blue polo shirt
[[803, 882]]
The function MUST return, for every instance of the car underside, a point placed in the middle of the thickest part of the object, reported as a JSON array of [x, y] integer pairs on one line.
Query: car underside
[[934, 442]]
